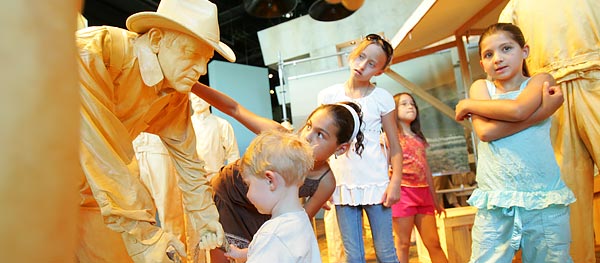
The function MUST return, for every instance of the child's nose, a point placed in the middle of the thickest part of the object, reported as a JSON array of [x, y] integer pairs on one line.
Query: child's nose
[[363, 64], [498, 58]]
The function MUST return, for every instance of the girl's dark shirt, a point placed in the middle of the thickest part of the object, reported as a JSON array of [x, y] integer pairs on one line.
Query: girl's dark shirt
[[237, 214]]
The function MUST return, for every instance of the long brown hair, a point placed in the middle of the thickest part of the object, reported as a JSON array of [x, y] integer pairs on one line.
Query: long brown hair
[[415, 125]]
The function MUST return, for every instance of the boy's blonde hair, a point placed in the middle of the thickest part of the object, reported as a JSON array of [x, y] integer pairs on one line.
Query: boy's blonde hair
[[284, 153]]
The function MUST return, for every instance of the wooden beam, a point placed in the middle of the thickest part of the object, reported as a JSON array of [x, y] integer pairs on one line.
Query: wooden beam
[[421, 93], [465, 72], [475, 18], [422, 52], [467, 79]]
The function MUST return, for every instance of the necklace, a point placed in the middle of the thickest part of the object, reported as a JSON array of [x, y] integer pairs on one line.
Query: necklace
[[358, 92]]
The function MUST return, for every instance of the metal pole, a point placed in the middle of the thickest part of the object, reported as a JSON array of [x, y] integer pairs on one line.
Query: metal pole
[[283, 103]]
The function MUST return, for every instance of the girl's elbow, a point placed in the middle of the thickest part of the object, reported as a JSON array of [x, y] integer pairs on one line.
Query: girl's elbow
[[484, 135], [485, 138]]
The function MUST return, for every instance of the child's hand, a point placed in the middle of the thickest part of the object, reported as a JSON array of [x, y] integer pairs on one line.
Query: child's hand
[[439, 210], [326, 205], [551, 95], [391, 196], [461, 110], [237, 254]]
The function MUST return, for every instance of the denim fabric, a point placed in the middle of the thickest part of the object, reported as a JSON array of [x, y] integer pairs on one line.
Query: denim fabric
[[351, 227], [543, 235]]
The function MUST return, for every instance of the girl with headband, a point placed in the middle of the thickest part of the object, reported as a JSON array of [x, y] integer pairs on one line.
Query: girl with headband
[[329, 129], [362, 182]]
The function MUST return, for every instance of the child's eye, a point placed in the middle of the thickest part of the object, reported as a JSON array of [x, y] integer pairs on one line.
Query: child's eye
[[487, 55], [507, 48], [320, 135], [372, 64]]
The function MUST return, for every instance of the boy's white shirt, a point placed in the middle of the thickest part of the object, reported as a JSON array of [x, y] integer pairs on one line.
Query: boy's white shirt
[[288, 237]]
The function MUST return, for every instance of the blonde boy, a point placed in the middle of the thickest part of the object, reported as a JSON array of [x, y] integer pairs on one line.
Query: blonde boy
[[274, 167]]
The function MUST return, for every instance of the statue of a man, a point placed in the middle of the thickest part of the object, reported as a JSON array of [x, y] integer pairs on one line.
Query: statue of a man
[[134, 81]]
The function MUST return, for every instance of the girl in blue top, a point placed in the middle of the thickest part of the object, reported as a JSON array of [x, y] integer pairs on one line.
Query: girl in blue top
[[522, 201]]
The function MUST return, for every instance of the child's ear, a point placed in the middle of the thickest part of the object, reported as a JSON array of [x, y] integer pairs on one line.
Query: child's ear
[[526, 51], [273, 178], [342, 148]]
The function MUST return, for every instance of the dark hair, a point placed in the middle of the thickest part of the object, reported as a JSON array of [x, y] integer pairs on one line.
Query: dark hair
[[345, 123], [513, 32], [374, 39], [415, 125]]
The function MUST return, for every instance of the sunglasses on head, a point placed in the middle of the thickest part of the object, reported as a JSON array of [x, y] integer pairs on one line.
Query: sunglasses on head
[[389, 51]]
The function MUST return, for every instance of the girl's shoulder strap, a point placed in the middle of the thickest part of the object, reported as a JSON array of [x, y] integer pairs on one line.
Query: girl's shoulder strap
[[490, 87], [524, 83], [323, 175]]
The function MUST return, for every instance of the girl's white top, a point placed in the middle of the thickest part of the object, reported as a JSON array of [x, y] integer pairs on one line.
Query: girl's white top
[[361, 180]]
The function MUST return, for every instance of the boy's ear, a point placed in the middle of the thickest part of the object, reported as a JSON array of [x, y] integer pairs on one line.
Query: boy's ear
[[274, 179]]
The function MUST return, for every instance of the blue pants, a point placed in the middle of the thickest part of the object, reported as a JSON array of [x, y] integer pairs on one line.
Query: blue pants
[[543, 235], [351, 227]]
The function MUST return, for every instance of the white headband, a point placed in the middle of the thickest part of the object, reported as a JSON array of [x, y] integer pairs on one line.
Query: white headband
[[356, 120]]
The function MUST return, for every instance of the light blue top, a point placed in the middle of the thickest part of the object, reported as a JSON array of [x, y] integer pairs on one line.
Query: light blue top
[[520, 169]]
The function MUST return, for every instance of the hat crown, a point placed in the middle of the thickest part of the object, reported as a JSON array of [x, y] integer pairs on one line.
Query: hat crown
[[199, 16]]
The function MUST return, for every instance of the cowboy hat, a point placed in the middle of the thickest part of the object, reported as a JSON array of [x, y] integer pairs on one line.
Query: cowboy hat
[[197, 18]]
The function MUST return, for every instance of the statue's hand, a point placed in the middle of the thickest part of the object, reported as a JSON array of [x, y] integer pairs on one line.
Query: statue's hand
[[212, 236]]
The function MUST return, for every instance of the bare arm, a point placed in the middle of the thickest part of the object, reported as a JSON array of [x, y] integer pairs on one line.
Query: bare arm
[[229, 106], [515, 110], [490, 129], [391, 130], [323, 193]]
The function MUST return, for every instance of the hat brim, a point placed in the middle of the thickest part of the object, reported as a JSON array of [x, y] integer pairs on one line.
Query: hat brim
[[144, 21]]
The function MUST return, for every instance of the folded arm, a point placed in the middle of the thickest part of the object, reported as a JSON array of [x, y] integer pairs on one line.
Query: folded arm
[[490, 129], [515, 110]]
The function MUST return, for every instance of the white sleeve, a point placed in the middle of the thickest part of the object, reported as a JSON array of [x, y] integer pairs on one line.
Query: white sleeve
[[268, 248]]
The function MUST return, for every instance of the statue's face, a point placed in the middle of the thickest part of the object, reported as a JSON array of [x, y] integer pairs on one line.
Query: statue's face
[[198, 104], [183, 60]]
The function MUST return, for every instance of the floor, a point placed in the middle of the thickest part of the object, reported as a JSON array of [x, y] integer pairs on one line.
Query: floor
[[370, 252]]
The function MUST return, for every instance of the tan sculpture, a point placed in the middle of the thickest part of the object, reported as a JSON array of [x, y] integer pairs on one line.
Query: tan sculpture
[[159, 175], [134, 81], [216, 143]]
